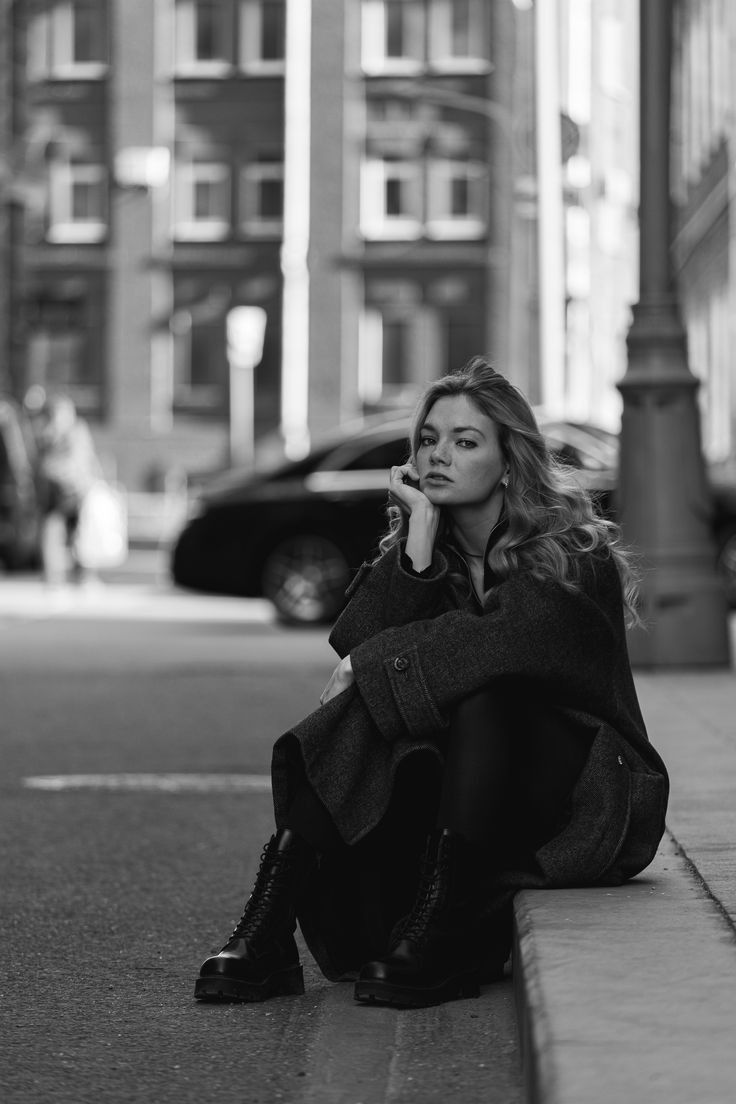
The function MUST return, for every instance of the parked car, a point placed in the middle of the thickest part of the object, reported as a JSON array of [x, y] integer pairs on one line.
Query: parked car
[[19, 525], [296, 534]]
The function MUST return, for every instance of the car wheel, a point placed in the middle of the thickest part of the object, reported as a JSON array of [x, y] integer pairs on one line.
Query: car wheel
[[305, 576], [727, 563]]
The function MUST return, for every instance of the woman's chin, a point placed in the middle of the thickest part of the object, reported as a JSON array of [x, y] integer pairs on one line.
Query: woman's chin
[[437, 493]]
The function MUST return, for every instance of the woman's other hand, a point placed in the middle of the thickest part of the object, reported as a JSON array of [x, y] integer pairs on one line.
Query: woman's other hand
[[342, 677]]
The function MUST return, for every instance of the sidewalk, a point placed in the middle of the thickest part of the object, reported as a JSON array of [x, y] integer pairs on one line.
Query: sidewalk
[[629, 994]]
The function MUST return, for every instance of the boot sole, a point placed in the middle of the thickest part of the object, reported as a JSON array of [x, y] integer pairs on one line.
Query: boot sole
[[405, 996], [285, 983]]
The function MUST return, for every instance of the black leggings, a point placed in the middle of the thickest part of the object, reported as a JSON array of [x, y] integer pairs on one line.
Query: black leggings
[[509, 771]]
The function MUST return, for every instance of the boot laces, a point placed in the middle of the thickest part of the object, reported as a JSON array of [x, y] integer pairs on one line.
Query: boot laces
[[270, 891], [429, 901]]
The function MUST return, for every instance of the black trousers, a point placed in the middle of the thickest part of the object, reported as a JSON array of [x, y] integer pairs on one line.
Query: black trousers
[[509, 771]]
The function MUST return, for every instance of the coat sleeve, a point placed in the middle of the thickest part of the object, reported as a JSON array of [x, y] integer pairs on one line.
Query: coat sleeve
[[384, 594], [560, 638]]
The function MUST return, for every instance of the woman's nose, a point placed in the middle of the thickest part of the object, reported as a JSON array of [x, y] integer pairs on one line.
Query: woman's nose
[[439, 454]]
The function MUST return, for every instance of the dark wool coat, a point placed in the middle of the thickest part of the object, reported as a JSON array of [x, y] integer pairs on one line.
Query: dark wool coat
[[418, 644]]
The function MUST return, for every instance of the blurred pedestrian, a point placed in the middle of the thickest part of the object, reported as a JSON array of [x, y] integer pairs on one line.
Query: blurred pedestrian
[[67, 466], [481, 732]]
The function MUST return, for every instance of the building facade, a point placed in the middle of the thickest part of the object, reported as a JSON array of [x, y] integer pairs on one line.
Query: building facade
[[347, 167], [364, 171], [704, 233]]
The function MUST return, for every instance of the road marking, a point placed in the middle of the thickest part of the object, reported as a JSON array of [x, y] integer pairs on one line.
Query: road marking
[[30, 599], [159, 783]]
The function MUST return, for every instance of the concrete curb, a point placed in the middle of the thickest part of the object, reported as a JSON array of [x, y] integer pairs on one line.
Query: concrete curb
[[628, 993]]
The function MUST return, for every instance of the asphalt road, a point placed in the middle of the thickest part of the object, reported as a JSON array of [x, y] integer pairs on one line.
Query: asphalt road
[[135, 742]]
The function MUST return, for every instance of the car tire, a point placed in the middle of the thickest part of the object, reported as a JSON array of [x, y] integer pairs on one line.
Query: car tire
[[305, 577]]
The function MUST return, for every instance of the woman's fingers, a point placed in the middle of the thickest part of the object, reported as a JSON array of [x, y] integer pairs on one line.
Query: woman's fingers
[[341, 678], [400, 473], [404, 486]]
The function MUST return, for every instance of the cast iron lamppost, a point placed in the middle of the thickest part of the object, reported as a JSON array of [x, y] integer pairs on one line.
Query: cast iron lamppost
[[664, 497]]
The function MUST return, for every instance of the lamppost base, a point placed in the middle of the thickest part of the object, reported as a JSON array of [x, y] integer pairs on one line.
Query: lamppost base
[[683, 621], [664, 502]]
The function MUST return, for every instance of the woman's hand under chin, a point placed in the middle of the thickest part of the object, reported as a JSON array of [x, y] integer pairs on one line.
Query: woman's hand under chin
[[403, 488], [424, 516]]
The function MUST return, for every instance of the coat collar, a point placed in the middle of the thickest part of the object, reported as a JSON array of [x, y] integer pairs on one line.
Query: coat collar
[[460, 560]]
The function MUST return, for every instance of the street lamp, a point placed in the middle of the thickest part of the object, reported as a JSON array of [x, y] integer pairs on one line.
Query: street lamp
[[246, 328], [664, 496]]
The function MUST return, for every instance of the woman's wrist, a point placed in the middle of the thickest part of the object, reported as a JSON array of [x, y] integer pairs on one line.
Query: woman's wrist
[[421, 535]]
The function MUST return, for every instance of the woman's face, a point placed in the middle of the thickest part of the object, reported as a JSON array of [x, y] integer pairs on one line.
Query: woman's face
[[458, 456]]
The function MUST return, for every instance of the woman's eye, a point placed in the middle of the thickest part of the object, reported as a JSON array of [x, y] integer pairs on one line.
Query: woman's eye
[[466, 442], [424, 441]]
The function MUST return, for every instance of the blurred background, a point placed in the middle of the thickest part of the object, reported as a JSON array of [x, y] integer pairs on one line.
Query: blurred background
[[230, 227]]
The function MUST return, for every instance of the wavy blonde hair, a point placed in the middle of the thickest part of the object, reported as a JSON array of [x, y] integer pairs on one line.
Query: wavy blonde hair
[[551, 518]]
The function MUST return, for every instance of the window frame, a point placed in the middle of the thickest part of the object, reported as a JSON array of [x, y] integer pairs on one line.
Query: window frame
[[63, 227], [440, 222], [186, 226], [440, 34], [375, 221], [188, 398], [186, 63], [374, 37], [251, 176], [250, 31], [50, 45]]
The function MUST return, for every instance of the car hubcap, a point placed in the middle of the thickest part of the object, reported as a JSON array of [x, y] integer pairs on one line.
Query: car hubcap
[[305, 578]]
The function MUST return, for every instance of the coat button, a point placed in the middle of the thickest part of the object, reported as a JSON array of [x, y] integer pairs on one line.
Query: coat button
[[401, 663]]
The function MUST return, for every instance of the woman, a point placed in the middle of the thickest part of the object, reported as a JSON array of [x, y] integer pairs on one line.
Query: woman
[[483, 709]]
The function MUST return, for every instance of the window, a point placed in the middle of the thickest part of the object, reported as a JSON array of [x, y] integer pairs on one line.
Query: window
[[77, 202], [392, 35], [386, 342], [458, 35], [391, 199], [402, 344], [202, 38], [65, 341], [439, 198], [262, 35], [202, 201], [262, 197], [380, 457], [199, 365], [407, 35], [457, 199], [68, 40]]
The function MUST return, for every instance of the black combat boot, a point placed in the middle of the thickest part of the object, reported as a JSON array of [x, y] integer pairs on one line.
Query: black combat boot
[[260, 959], [436, 951]]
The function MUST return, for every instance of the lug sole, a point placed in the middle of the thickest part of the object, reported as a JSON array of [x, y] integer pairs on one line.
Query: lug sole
[[407, 996], [284, 983]]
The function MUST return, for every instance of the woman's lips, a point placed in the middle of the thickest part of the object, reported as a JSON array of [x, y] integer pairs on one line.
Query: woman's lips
[[437, 477]]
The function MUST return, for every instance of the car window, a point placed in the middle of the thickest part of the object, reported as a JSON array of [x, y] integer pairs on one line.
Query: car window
[[581, 452], [374, 453], [383, 456]]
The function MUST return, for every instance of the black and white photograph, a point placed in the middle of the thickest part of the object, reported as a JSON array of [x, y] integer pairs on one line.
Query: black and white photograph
[[367, 551]]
